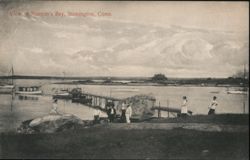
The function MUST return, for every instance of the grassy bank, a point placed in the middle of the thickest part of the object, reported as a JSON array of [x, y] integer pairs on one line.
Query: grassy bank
[[107, 143]]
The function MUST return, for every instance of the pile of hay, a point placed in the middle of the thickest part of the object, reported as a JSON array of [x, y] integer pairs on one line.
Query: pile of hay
[[141, 106]]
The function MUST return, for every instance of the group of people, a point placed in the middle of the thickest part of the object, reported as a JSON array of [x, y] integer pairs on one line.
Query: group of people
[[126, 110], [126, 113], [184, 106], [111, 112]]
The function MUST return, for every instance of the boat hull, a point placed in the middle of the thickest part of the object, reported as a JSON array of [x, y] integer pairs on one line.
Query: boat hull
[[29, 93], [7, 87], [236, 92], [62, 96]]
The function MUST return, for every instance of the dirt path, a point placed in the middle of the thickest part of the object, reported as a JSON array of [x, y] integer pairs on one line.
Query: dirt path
[[169, 126]]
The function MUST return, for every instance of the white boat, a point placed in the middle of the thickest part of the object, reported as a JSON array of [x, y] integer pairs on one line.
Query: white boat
[[29, 92], [243, 90], [215, 92], [236, 92], [9, 85], [32, 90], [62, 94], [125, 90]]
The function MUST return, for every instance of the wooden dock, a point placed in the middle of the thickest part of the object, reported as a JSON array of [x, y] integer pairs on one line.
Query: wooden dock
[[102, 102], [97, 101], [169, 110], [99, 97]]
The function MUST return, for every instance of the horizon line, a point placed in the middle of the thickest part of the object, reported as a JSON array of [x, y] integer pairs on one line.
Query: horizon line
[[127, 77]]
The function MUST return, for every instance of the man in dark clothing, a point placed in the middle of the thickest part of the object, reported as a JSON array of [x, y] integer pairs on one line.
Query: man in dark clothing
[[123, 116], [112, 113]]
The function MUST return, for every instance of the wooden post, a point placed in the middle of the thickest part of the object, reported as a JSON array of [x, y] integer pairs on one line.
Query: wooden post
[[12, 99], [98, 101], [95, 101], [168, 106], [244, 106], [159, 111], [105, 102]]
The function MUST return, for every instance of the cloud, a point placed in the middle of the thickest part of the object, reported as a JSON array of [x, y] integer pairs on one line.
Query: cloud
[[96, 47], [34, 50]]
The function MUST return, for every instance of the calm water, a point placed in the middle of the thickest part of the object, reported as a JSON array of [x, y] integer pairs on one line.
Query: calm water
[[15, 109]]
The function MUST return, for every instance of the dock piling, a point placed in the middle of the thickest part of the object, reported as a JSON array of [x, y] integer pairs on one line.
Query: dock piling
[[168, 106], [159, 111]]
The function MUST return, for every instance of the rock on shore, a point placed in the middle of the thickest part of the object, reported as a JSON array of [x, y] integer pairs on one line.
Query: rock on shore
[[52, 123]]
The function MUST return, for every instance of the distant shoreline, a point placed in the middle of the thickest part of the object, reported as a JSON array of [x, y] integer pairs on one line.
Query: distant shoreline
[[139, 81], [148, 84]]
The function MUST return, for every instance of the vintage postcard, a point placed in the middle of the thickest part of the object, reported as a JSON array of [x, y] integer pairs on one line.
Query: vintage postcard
[[124, 80]]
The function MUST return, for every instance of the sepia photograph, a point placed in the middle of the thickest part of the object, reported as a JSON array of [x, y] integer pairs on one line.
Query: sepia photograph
[[124, 79]]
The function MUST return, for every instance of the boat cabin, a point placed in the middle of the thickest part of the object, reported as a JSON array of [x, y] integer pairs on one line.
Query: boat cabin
[[28, 89]]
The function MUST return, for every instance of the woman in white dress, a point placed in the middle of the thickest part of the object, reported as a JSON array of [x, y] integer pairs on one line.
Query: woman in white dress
[[213, 106], [184, 107], [128, 113]]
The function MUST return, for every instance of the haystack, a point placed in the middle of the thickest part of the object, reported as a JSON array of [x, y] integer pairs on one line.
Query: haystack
[[141, 106]]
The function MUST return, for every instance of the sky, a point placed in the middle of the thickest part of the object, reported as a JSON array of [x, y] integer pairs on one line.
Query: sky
[[115, 38]]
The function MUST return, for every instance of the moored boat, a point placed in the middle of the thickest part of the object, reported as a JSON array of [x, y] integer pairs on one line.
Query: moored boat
[[125, 90], [244, 89], [236, 92], [215, 92], [8, 87], [31, 90], [78, 97], [65, 95]]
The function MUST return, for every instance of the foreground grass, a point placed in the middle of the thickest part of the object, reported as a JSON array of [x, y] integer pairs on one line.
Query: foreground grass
[[115, 144], [109, 143]]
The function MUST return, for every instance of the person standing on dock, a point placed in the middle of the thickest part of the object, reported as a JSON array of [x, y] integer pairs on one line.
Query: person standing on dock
[[213, 106], [112, 113], [123, 116], [184, 107], [109, 106], [97, 113], [128, 113]]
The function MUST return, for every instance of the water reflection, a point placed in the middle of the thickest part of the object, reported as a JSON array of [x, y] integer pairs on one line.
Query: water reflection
[[14, 109], [25, 97], [17, 108]]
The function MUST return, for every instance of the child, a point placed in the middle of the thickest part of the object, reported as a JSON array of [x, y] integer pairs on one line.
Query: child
[[213, 106], [54, 107]]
